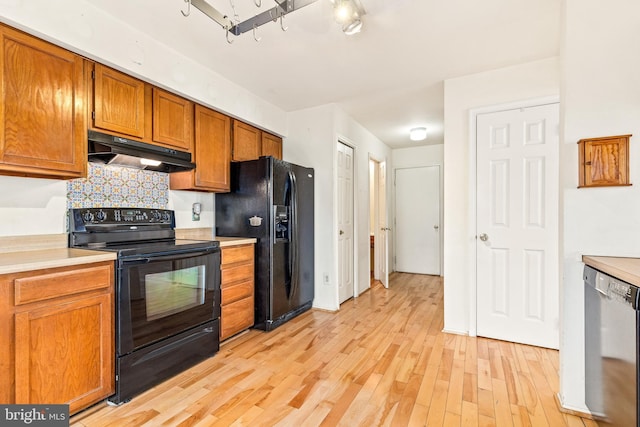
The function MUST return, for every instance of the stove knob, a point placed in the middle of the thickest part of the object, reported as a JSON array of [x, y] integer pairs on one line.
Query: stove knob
[[156, 215], [87, 216], [101, 216], [165, 216]]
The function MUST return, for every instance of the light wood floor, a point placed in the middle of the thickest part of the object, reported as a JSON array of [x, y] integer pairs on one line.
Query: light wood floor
[[381, 360]]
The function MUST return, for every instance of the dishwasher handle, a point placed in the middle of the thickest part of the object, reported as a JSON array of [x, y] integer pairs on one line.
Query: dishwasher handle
[[612, 288]]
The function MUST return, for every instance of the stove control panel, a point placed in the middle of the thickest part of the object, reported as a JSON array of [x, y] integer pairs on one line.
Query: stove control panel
[[113, 217]]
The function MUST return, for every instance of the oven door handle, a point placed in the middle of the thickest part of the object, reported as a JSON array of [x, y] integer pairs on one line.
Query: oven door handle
[[171, 257]]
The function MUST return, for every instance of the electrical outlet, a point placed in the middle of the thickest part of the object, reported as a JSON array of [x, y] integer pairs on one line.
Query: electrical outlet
[[325, 278], [195, 211]]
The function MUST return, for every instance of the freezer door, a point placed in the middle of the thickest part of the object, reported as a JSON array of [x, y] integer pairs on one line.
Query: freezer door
[[303, 230]]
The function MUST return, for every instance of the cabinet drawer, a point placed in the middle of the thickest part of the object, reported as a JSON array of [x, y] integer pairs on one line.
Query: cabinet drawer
[[63, 283], [233, 254], [235, 273], [236, 317], [238, 291]]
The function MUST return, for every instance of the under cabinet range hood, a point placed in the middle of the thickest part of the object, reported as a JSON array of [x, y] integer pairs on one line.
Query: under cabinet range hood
[[116, 151]]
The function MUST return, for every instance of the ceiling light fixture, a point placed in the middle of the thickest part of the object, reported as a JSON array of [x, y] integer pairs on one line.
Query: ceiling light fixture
[[343, 11], [348, 13], [418, 134]]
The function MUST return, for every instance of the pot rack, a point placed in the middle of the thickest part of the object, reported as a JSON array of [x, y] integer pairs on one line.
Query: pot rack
[[282, 8]]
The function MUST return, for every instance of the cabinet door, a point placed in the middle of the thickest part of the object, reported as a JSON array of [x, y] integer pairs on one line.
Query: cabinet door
[[42, 112], [604, 161], [64, 352], [172, 120], [118, 102], [271, 145], [246, 142], [236, 317], [212, 154]]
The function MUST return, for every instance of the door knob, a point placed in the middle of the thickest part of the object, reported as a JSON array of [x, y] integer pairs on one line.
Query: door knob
[[341, 232], [435, 227], [484, 237]]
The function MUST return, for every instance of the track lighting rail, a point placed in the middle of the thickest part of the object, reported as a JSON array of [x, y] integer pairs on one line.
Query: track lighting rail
[[282, 8]]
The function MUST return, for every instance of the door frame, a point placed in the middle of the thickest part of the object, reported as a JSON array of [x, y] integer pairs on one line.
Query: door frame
[[336, 271], [473, 212]]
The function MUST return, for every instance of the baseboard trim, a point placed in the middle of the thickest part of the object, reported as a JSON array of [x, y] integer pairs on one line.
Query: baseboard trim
[[454, 332], [572, 411]]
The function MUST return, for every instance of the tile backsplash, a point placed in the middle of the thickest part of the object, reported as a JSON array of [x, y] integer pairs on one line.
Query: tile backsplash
[[114, 186]]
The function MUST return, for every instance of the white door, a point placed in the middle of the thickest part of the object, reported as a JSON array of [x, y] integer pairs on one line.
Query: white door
[[345, 222], [517, 225], [418, 220], [382, 248]]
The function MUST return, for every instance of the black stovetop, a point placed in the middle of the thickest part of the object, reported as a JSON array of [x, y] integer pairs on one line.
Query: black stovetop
[[157, 248]]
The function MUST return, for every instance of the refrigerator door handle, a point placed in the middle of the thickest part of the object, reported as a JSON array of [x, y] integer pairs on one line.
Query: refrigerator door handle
[[293, 235]]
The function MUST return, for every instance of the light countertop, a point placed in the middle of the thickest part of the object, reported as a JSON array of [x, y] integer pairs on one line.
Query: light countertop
[[16, 262], [234, 241], [627, 269]]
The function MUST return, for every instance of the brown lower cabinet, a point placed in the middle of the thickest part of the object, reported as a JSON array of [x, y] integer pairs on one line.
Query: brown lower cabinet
[[237, 285], [57, 325]]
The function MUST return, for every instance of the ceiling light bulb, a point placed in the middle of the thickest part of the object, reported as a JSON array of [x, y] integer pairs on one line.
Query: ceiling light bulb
[[149, 162], [418, 134], [343, 11]]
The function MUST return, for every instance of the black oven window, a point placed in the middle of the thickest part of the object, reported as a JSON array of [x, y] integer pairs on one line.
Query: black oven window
[[172, 292]]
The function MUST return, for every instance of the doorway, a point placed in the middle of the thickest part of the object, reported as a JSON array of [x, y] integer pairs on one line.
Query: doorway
[[517, 175], [378, 225]]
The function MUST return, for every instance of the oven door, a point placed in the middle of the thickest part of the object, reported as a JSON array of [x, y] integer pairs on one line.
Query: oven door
[[163, 295]]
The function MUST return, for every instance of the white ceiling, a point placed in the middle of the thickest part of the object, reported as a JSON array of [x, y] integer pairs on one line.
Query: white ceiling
[[389, 77]]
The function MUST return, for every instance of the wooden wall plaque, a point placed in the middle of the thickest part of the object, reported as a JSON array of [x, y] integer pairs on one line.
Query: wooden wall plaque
[[603, 161]]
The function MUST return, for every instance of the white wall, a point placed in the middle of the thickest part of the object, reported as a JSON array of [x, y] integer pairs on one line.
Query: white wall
[[600, 97], [32, 206], [78, 26], [414, 157], [365, 144], [312, 141], [505, 85]]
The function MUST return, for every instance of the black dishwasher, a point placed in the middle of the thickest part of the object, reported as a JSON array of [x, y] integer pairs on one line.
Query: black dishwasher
[[611, 349]]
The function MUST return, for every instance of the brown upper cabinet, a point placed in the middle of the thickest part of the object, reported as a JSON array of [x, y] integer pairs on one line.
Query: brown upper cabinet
[[118, 102], [249, 143], [603, 161], [128, 107], [271, 145], [42, 110], [212, 154], [246, 142], [172, 120]]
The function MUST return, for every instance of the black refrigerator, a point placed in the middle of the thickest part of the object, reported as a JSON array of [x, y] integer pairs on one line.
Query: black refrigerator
[[272, 201]]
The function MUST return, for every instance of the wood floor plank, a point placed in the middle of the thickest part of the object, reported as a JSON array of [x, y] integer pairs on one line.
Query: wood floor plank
[[382, 360]]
